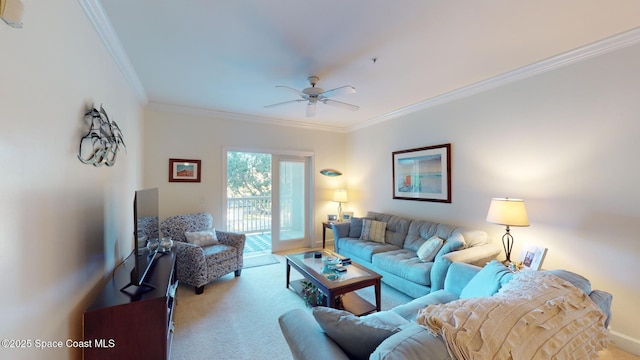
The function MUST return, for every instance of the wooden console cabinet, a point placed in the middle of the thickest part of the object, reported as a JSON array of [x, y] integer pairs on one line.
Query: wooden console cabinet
[[137, 324]]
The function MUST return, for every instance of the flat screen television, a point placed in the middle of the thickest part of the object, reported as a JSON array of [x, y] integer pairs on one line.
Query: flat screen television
[[146, 228]]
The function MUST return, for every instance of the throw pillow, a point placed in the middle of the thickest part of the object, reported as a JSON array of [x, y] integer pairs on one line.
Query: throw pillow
[[355, 227], [373, 230], [427, 251], [202, 238], [357, 337], [487, 281]]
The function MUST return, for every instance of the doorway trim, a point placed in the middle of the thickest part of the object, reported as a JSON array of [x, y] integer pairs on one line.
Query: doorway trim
[[295, 153]]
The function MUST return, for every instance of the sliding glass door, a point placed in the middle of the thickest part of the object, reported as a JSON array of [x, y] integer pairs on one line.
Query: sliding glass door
[[291, 202], [268, 199]]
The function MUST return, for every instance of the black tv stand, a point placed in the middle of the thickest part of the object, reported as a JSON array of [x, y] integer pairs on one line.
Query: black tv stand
[[140, 288], [122, 324]]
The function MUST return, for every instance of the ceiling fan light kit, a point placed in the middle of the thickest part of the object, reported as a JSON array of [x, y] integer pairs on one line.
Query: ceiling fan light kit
[[314, 94]]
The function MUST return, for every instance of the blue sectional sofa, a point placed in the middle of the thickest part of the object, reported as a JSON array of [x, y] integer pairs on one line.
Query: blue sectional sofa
[[325, 333], [396, 258]]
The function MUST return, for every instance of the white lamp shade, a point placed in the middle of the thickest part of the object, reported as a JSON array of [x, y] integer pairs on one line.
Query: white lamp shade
[[340, 196], [505, 211]]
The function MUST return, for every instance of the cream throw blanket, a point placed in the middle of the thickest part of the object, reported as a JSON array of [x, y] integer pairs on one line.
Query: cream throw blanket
[[536, 315]]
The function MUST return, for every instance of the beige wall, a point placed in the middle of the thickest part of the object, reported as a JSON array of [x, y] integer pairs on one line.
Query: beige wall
[[565, 141], [206, 136], [64, 225]]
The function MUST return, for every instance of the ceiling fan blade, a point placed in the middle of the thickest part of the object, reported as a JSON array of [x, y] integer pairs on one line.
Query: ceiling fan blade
[[311, 109], [295, 91], [342, 90], [283, 103], [341, 104]]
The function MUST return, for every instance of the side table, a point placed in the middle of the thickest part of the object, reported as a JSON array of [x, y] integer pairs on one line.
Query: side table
[[325, 225]]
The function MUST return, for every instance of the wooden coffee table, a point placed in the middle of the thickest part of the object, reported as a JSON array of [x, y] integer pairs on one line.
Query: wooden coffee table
[[356, 277]]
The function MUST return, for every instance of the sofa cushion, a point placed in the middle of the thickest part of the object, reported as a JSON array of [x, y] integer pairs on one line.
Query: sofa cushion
[[413, 342], [405, 264], [202, 238], [355, 227], [363, 249], [409, 310], [356, 336], [487, 281], [428, 250], [215, 254], [422, 230], [389, 318], [397, 227], [454, 243], [373, 230]]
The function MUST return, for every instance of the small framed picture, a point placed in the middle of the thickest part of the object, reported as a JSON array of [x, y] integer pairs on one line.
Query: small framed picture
[[182, 170], [347, 215], [332, 218], [532, 256]]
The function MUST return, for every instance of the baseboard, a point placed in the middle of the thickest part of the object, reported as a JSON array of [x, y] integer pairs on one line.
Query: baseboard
[[625, 343]]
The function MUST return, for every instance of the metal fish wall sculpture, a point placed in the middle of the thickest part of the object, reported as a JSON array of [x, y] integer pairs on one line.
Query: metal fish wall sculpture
[[101, 144]]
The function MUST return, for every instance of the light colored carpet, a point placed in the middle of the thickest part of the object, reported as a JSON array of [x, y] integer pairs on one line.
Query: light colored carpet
[[259, 260]]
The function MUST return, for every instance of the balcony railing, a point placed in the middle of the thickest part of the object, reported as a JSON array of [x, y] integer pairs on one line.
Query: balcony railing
[[251, 214]]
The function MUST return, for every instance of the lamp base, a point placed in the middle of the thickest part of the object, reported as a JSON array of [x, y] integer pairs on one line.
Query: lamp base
[[507, 244]]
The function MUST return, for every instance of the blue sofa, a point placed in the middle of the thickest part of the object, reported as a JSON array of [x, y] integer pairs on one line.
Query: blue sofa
[[308, 340], [396, 258]]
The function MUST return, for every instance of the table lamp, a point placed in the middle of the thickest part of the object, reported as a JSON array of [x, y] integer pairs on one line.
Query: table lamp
[[340, 196], [509, 212]]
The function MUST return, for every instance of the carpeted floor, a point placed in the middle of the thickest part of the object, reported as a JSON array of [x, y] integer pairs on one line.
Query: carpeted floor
[[259, 260]]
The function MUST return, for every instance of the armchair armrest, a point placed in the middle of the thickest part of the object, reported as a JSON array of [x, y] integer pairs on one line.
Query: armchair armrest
[[236, 240], [193, 266]]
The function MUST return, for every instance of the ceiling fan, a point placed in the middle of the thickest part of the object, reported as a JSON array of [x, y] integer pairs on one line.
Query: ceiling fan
[[314, 94]]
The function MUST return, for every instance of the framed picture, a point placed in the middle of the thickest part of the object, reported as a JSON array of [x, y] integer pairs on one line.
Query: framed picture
[[423, 174], [346, 215], [332, 218], [183, 170], [532, 256]]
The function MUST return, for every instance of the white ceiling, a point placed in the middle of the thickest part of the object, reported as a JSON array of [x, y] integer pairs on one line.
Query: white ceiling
[[228, 55]]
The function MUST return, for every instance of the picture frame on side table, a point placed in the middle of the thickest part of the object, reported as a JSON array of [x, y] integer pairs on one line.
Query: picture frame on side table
[[423, 174], [332, 218], [184, 170], [346, 216], [532, 256]]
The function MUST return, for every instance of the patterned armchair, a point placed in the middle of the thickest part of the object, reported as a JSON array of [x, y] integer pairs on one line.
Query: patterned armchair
[[197, 265]]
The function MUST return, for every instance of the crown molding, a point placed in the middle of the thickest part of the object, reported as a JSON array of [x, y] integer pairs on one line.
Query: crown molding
[[101, 23], [95, 13], [224, 115], [605, 46]]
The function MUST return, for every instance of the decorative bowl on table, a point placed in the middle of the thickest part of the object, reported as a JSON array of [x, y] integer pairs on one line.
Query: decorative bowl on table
[[331, 260]]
